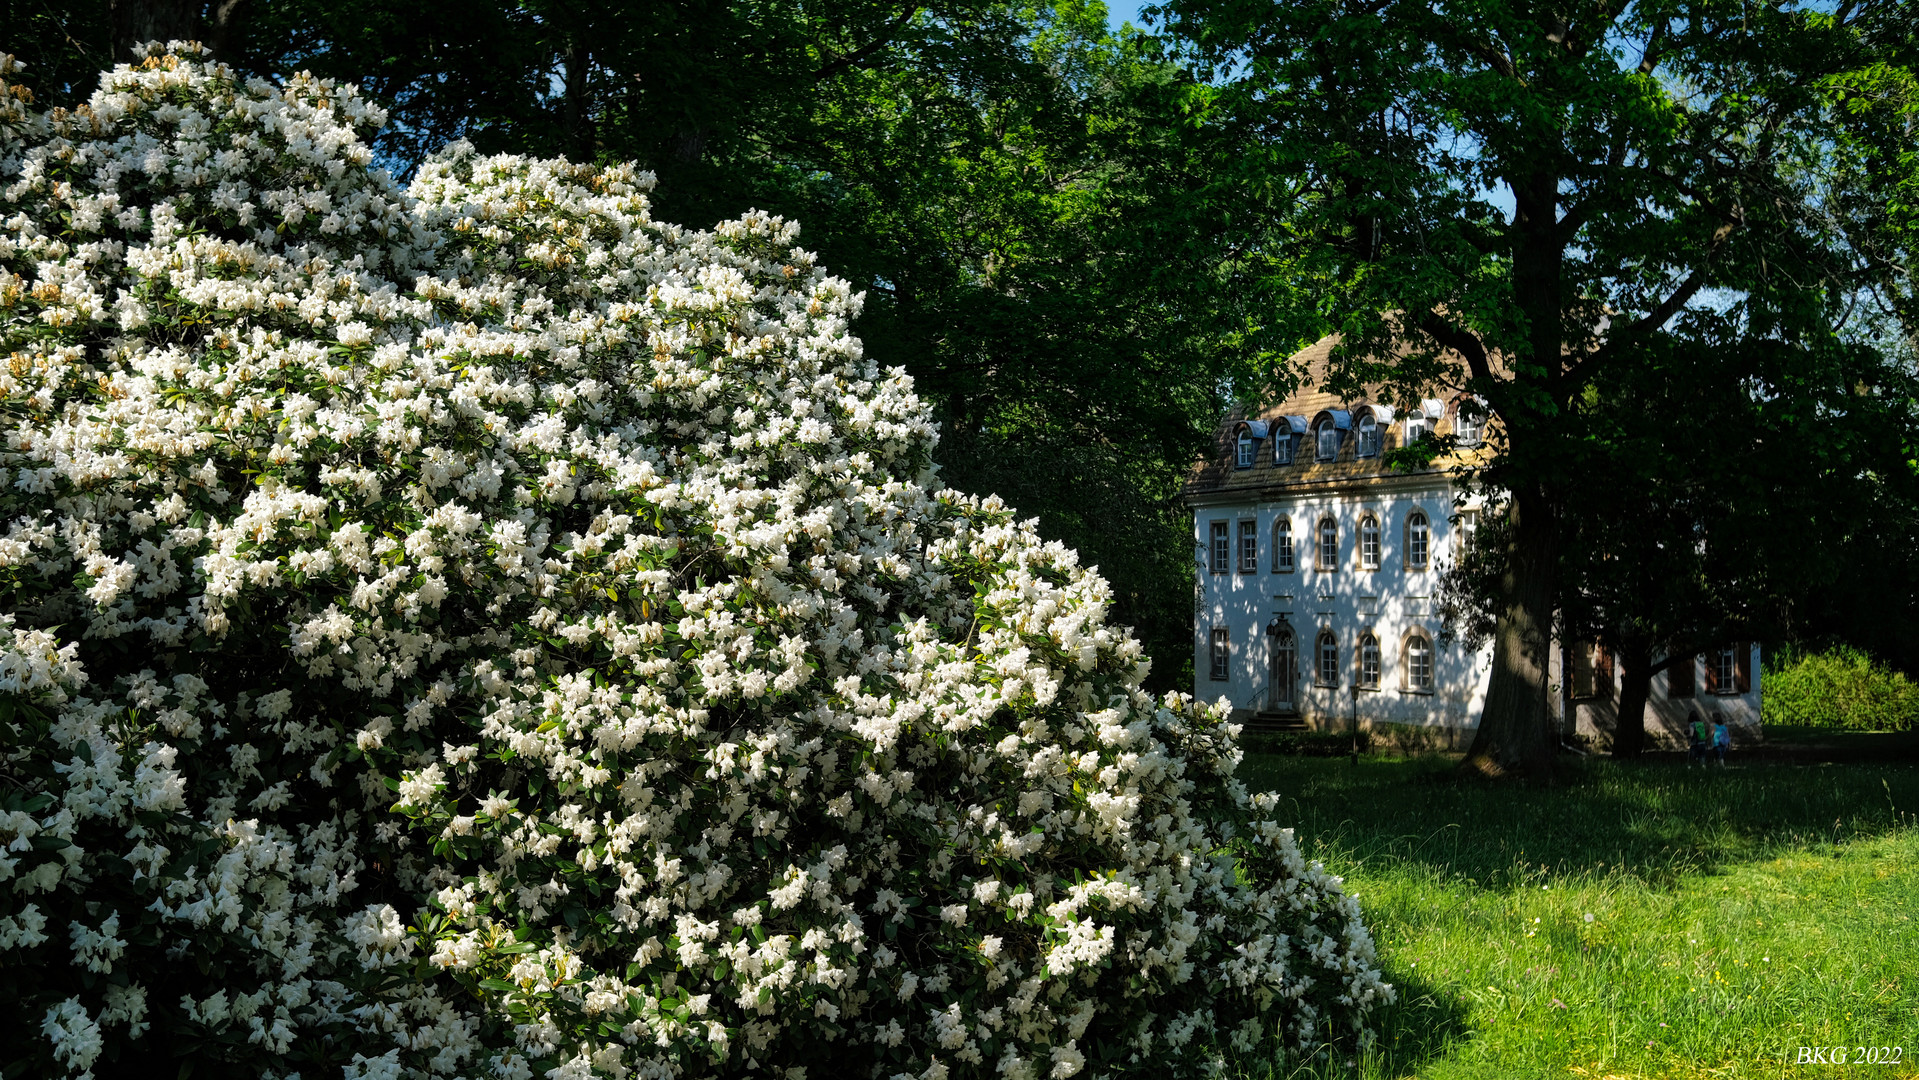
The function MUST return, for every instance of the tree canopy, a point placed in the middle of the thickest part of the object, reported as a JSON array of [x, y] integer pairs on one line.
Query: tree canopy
[[1546, 193], [1085, 246]]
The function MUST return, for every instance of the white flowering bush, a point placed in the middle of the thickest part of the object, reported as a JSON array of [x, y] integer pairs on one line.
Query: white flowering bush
[[478, 630]]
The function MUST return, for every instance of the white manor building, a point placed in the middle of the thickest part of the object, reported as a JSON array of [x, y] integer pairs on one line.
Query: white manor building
[[1319, 572]]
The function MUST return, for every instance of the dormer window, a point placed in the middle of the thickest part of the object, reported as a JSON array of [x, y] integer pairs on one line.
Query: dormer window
[[1283, 447], [1246, 445], [1469, 421], [1418, 427], [1368, 436], [1328, 436]]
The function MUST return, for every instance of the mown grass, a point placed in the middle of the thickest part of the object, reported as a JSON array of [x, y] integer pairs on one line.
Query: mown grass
[[1634, 920]]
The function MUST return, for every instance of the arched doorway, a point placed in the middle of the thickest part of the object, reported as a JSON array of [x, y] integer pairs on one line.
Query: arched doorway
[[1283, 673]]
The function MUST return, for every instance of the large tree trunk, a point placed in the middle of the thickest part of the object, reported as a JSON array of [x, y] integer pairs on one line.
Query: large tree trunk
[[578, 139], [136, 22], [1635, 687], [1515, 729]]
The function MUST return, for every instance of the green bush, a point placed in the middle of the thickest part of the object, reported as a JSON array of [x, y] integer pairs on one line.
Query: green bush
[[1840, 687]]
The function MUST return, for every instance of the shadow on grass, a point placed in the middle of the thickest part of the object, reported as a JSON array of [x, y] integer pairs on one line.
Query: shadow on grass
[[1654, 821], [1417, 1029]]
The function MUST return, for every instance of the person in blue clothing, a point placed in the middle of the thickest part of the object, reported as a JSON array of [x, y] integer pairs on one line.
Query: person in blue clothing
[[1721, 738], [1697, 735]]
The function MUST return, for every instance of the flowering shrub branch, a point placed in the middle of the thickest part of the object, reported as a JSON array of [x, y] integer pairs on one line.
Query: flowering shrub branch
[[478, 630]]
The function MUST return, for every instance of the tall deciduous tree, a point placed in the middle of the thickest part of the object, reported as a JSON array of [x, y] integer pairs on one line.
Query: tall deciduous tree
[[1714, 512], [1539, 191]]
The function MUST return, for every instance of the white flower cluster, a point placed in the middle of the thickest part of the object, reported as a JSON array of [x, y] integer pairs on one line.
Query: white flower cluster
[[478, 630]]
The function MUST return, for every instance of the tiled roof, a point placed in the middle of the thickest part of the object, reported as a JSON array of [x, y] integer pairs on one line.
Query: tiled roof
[[1220, 474]]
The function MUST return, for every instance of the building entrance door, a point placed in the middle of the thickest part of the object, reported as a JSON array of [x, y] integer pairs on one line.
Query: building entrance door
[[1285, 670]]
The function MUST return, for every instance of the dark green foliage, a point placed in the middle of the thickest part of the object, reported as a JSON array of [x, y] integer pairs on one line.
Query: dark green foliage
[[65, 47], [1541, 204], [1305, 743]]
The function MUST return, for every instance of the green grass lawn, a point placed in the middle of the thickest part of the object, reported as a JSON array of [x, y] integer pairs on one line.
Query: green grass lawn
[[1633, 920]]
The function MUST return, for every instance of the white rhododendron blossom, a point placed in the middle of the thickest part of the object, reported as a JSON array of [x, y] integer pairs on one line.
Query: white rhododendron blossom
[[478, 630]]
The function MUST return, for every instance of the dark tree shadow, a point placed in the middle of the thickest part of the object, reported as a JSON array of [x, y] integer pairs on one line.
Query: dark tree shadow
[[1654, 820]]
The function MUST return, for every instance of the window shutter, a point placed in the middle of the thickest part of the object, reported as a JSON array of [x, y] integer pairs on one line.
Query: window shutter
[[1742, 667], [1679, 678], [1712, 673], [1602, 673]]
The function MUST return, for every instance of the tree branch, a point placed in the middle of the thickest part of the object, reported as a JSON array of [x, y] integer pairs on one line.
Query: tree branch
[[1579, 44], [1462, 341], [842, 63], [1650, 58], [1579, 372]]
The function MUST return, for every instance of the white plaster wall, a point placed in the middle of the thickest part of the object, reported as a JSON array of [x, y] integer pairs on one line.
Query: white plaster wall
[[1741, 711], [1666, 715], [1389, 601]]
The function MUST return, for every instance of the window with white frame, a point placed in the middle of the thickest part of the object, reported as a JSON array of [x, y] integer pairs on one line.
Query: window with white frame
[[1248, 547], [1220, 550], [1469, 421], [1369, 542], [1369, 661], [1419, 534], [1328, 440], [1328, 544], [1419, 662], [1283, 546], [1328, 659], [1222, 653], [1726, 671], [1368, 436], [1417, 427], [1246, 445], [1283, 445]]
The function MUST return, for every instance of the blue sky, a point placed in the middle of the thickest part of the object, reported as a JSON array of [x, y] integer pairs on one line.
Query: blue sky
[[1121, 12]]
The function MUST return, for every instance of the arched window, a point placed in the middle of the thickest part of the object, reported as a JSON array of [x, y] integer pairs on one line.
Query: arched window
[[1419, 540], [1469, 421], [1328, 659], [1328, 544], [1328, 440], [1419, 661], [1369, 543], [1246, 445], [1369, 661], [1283, 445], [1368, 436], [1283, 546]]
